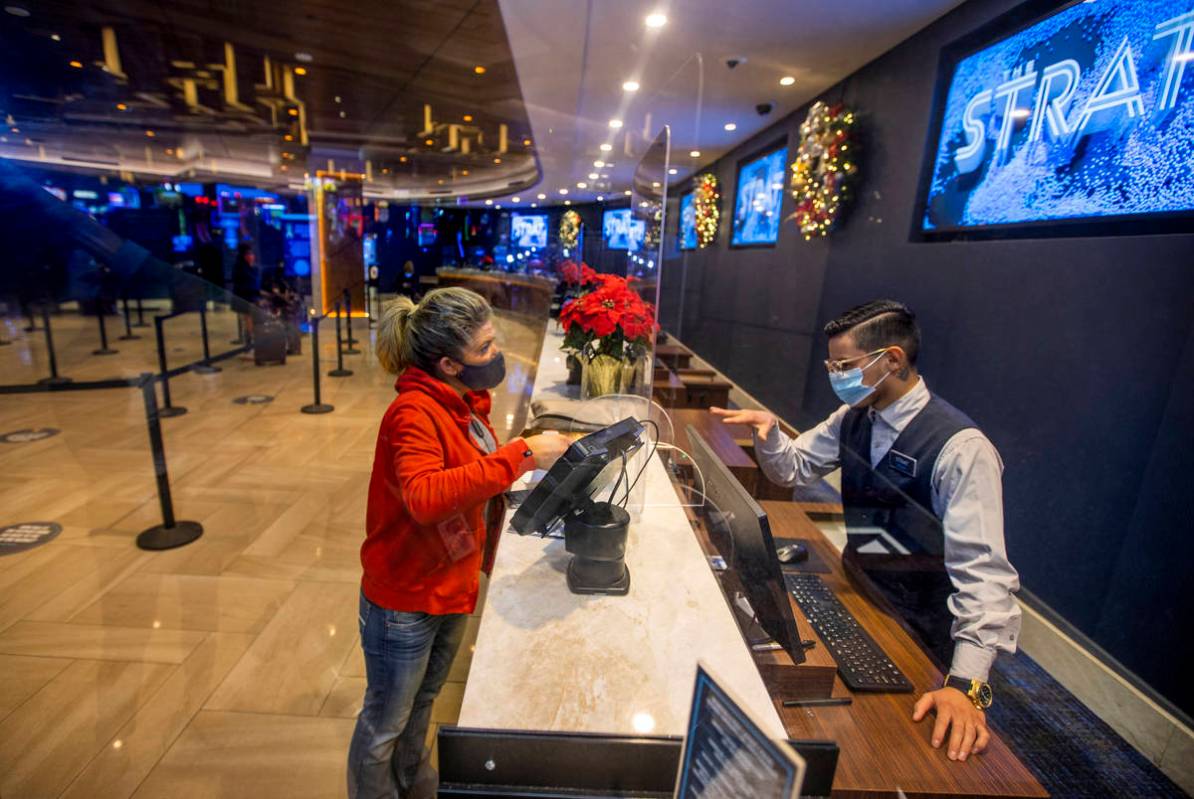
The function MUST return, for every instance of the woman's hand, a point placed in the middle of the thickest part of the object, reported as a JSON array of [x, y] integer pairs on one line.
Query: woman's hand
[[761, 421], [547, 448]]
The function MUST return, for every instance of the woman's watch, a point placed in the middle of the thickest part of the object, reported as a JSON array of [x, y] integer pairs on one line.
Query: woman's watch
[[977, 691]]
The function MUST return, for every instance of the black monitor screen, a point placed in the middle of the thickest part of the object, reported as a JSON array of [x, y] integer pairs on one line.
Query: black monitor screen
[[752, 550]]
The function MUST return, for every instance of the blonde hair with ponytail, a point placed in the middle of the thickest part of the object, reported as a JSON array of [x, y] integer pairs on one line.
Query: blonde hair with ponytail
[[443, 323]]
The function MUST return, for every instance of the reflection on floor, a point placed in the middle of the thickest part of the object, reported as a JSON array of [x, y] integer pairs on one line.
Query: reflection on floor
[[231, 666]]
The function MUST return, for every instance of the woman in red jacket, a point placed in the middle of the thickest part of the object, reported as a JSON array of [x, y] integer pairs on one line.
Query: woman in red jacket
[[434, 514]]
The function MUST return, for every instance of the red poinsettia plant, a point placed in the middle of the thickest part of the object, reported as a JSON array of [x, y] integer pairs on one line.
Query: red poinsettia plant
[[577, 275], [612, 319]]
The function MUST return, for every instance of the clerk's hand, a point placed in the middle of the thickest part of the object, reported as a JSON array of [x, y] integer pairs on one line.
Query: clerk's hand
[[761, 421], [547, 448], [956, 714]]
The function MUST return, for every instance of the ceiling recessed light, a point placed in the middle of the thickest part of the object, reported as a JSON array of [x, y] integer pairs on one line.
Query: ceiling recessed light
[[336, 98], [615, 123], [786, 80], [730, 126], [593, 176], [467, 117], [300, 71], [306, 58], [599, 163], [656, 20], [605, 148], [630, 86], [515, 199], [599, 198], [489, 202], [542, 196], [694, 153], [604, 176], [580, 184], [54, 37], [402, 159], [627, 192], [673, 171], [498, 206], [150, 133], [534, 205], [563, 191], [655, 184], [17, 11], [343, 115], [77, 64], [567, 202], [480, 70], [121, 107]]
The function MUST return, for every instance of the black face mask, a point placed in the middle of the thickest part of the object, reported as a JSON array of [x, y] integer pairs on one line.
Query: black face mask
[[485, 376]]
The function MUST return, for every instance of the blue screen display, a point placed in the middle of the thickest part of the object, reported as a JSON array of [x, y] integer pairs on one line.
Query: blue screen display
[[622, 231], [528, 231], [758, 200], [688, 234], [1088, 113]]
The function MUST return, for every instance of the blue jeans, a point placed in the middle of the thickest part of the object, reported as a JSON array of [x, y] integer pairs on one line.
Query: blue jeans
[[407, 659]]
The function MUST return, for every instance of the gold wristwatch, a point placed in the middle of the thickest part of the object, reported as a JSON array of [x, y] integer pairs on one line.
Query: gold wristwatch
[[977, 691]]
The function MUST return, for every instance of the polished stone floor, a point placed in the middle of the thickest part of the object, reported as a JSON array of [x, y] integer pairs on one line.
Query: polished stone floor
[[228, 667]]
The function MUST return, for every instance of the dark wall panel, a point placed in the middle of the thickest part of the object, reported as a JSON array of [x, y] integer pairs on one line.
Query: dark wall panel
[[1068, 352]]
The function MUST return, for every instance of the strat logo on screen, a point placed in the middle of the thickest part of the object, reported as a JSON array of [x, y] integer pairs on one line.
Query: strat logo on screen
[[1044, 98]]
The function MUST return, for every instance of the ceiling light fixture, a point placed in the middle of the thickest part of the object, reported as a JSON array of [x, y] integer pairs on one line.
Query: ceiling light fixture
[[515, 199], [526, 142], [580, 184], [563, 191], [121, 107], [305, 57], [600, 198], [343, 115], [615, 123], [786, 80], [150, 133], [292, 111], [627, 192], [300, 71], [656, 20], [593, 176], [489, 202], [498, 206], [534, 205], [336, 98], [605, 148], [480, 70], [429, 142], [464, 172], [567, 202], [630, 86], [542, 196], [694, 153], [77, 64], [730, 126], [288, 137], [599, 163], [467, 117], [673, 171]]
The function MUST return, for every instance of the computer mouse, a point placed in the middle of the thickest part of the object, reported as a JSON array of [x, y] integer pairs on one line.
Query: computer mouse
[[792, 553]]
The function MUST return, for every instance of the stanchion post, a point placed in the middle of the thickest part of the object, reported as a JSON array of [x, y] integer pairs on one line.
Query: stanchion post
[[351, 348], [339, 371], [240, 331], [318, 406], [54, 379], [32, 326], [205, 367], [140, 315], [129, 335], [170, 533], [168, 410], [104, 349]]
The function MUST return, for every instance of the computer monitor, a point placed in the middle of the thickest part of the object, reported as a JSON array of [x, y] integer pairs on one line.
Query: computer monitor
[[752, 550], [573, 479]]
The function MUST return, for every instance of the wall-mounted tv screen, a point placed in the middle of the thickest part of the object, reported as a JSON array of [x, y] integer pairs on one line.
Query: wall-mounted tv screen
[[622, 231], [759, 198], [528, 231], [1085, 115], [688, 234]]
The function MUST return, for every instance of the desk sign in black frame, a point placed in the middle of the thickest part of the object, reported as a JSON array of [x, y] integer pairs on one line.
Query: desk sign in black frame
[[726, 752]]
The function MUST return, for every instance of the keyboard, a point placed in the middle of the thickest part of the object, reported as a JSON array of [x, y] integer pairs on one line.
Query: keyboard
[[861, 663]]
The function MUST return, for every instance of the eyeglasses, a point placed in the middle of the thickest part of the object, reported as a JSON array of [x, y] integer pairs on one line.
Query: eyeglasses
[[837, 367]]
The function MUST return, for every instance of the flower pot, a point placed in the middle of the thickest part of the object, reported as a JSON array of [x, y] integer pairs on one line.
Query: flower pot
[[605, 374]]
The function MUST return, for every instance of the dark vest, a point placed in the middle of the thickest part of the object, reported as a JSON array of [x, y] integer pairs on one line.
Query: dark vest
[[897, 497], [897, 494]]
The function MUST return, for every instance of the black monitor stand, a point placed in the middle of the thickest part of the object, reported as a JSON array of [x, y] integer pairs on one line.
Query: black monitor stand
[[595, 534]]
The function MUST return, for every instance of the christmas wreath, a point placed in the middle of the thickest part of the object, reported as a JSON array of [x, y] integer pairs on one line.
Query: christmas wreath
[[824, 168], [569, 229], [706, 209]]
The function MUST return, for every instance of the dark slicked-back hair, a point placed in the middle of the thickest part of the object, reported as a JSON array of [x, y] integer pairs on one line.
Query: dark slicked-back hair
[[878, 324]]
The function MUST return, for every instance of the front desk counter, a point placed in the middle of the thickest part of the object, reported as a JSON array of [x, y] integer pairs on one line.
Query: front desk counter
[[549, 660]]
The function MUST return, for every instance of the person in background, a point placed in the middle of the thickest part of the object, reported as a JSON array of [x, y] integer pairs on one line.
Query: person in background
[[923, 498], [434, 513], [408, 283], [244, 283]]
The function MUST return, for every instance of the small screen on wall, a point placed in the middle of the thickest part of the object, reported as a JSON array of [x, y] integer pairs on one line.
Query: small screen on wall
[[1086, 114], [759, 198], [622, 231], [688, 233], [528, 231]]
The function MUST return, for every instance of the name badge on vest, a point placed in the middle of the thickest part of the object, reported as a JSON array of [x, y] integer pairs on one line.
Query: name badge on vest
[[904, 464]]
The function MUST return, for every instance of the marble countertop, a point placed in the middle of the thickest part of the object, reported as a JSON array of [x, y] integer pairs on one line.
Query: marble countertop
[[547, 659]]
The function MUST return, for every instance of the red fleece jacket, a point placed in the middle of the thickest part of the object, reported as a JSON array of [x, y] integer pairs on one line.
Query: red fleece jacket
[[429, 479]]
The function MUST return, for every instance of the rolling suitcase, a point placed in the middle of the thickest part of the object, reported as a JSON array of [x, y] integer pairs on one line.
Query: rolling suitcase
[[269, 342]]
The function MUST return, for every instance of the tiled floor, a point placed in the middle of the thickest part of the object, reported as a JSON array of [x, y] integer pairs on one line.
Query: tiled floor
[[229, 667]]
